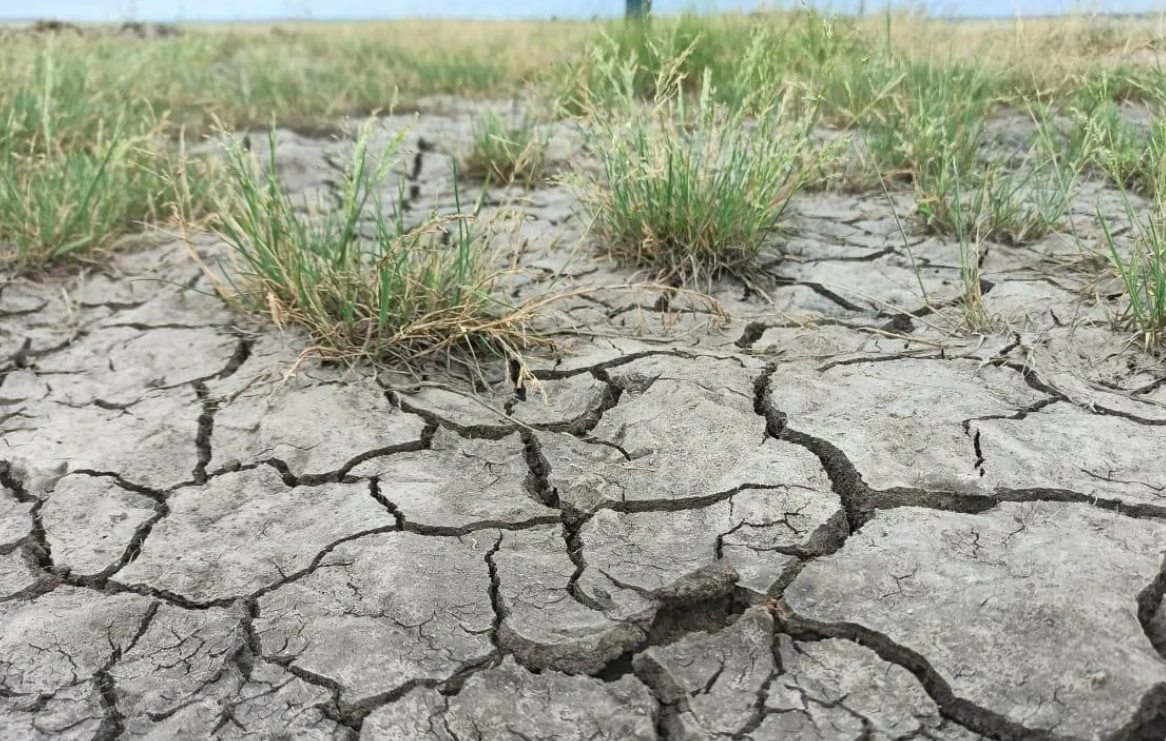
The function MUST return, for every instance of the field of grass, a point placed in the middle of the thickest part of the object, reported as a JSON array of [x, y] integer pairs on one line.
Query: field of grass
[[702, 127]]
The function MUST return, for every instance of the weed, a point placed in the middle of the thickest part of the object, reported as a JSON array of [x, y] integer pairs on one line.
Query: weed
[[1143, 276], [1142, 268], [971, 300], [747, 63], [506, 152], [401, 293], [997, 204], [687, 194], [71, 183]]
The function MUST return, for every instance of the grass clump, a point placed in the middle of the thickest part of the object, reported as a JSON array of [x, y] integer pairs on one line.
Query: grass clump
[[1103, 140], [688, 194], [71, 183], [924, 124], [359, 280], [1142, 272], [919, 118], [62, 207], [506, 152], [971, 299], [747, 61], [1141, 268], [998, 204], [1102, 137]]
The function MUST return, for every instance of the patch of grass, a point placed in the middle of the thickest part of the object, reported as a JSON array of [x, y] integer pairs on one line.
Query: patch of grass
[[1142, 268], [506, 152], [971, 300], [74, 206], [1102, 135], [688, 194], [358, 279], [924, 124], [628, 60], [747, 62], [1143, 275], [998, 204], [71, 184], [916, 87], [925, 117], [1104, 140]]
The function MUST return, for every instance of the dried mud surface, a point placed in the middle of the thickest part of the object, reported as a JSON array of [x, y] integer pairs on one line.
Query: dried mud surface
[[835, 518]]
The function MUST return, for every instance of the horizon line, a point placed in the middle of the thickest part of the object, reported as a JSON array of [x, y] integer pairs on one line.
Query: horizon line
[[556, 17]]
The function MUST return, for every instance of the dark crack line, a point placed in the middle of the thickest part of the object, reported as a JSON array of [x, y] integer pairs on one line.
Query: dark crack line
[[41, 550], [496, 601], [1104, 411], [979, 503], [553, 374], [340, 475], [414, 446], [925, 353], [353, 715], [845, 480], [206, 426], [112, 721], [572, 521], [693, 503], [24, 356], [403, 523], [374, 486], [1149, 603], [249, 649], [113, 586], [34, 546], [861, 502], [475, 527], [335, 709], [1020, 414], [755, 329], [819, 289], [433, 419], [1147, 719], [1150, 387]]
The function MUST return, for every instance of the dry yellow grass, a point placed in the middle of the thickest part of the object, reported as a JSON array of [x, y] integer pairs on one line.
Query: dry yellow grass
[[1052, 52]]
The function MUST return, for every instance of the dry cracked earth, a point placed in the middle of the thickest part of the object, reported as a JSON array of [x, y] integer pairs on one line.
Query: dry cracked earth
[[836, 517]]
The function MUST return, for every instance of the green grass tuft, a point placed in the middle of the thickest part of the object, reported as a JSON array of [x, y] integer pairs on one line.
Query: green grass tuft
[[357, 278], [72, 181], [1142, 268], [506, 152], [686, 194]]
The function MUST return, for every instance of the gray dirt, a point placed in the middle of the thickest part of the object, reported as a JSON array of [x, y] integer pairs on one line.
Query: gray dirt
[[839, 516]]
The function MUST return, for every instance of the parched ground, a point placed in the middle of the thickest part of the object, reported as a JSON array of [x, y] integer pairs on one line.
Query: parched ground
[[835, 518]]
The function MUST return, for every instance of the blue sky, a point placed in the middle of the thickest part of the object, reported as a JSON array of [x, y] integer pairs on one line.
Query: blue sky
[[163, 10]]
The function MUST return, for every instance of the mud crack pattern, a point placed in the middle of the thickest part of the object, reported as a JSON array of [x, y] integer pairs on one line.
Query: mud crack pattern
[[828, 521]]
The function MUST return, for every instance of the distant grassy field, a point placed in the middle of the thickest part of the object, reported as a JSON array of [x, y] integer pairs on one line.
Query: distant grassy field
[[84, 109], [94, 124]]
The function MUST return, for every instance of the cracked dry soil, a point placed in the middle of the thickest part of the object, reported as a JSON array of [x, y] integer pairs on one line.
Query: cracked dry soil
[[831, 520]]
